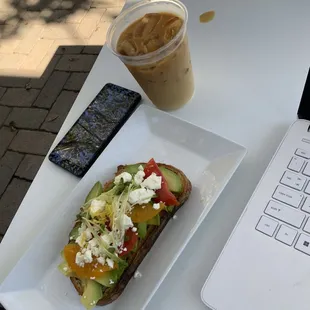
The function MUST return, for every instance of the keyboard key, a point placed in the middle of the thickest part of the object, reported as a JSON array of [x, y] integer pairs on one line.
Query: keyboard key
[[285, 214], [293, 180], [307, 189], [307, 227], [302, 153], [306, 205], [296, 164], [303, 244], [267, 226], [286, 235], [288, 196], [307, 170]]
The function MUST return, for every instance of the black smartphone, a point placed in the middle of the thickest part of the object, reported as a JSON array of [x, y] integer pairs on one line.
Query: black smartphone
[[95, 128]]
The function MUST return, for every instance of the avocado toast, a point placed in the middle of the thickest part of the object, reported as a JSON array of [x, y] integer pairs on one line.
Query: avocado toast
[[117, 226]]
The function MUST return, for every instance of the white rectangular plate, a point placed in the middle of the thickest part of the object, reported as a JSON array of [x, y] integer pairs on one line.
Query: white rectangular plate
[[207, 159]]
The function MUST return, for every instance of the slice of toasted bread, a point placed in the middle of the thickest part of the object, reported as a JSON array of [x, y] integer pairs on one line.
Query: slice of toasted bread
[[153, 232]]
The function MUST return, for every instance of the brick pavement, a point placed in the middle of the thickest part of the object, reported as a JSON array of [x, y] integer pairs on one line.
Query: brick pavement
[[47, 48]]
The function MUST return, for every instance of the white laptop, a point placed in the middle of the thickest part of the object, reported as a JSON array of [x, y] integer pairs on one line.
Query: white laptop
[[265, 265]]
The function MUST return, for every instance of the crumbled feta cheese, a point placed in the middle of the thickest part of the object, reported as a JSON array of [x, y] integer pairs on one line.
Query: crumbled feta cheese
[[126, 222], [92, 243], [127, 177], [152, 182], [110, 262], [125, 249], [137, 274], [84, 250], [96, 207], [156, 206], [65, 269], [88, 234], [139, 177], [141, 195], [101, 260], [175, 217], [84, 236], [79, 259], [95, 251], [88, 257], [107, 239], [134, 229], [80, 240], [111, 281], [140, 168]]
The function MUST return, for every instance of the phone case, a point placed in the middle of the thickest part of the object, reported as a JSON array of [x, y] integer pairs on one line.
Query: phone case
[[94, 129]]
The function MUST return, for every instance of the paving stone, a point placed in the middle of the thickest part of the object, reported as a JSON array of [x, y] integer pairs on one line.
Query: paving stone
[[32, 142], [4, 112], [69, 49], [29, 118], [104, 3], [19, 97], [76, 17], [92, 49], [52, 89], [99, 35], [8, 165], [9, 63], [10, 201], [8, 81], [59, 111], [40, 82], [82, 63], [58, 31], [29, 166], [6, 136], [36, 55], [76, 81], [2, 91]]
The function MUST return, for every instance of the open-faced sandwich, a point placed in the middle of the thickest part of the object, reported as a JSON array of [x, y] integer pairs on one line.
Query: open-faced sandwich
[[117, 226]]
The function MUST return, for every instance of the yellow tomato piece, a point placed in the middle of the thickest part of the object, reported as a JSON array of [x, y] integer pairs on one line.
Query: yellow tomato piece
[[143, 213], [93, 269]]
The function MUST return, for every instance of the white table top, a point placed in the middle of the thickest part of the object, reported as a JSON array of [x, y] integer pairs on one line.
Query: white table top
[[250, 65]]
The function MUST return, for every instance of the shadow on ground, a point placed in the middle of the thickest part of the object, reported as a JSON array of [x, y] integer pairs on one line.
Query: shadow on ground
[[21, 12], [32, 110]]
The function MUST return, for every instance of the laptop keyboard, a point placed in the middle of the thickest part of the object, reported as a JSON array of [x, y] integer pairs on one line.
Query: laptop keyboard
[[287, 214]]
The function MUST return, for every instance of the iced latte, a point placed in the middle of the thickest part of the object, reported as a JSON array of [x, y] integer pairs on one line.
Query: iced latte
[[155, 49]]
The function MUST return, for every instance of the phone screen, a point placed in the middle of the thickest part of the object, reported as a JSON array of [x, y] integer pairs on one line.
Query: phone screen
[[95, 128]]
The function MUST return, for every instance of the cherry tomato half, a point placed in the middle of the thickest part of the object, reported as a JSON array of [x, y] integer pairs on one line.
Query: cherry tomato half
[[131, 238], [163, 194]]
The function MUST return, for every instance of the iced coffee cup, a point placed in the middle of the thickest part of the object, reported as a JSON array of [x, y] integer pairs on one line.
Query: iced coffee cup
[[151, 40]]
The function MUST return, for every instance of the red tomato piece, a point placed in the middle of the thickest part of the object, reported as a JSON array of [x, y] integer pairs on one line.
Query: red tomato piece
[[163, 194], [129, 244]]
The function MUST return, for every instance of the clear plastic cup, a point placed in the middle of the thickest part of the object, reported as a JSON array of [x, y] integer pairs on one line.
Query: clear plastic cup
[[166, 74]]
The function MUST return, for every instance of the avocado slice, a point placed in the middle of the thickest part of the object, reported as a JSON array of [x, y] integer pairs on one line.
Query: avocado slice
[[92, 294], [74, 233], [94, 192], [142, 229], [65, 269], [173, 179], [154, 221], [109, 278]]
